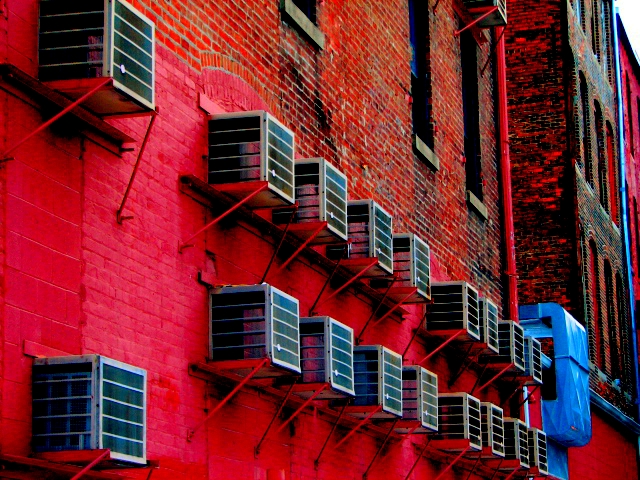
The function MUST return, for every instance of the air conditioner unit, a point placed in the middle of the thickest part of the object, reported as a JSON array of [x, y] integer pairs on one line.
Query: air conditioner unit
[[88, 402], [321, 195], [411, 267], [478, 8], [254, 322], [532, 361], [454, 309], [370, 236], [516, 443], [419, 401], [489, 325], [81, 43], [250, 147], [538, 461], [378, 382], [492, 430], [511, 347], [326, 350], [459, 423]]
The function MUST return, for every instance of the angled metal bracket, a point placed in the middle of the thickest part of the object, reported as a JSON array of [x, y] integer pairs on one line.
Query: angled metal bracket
[[97, 460], [284, 235], [479, 19], [256, 450], [384, 442], [442, 345], [415, 464]]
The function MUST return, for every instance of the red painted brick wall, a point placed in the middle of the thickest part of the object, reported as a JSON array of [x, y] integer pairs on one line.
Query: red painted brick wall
[[75, 281]]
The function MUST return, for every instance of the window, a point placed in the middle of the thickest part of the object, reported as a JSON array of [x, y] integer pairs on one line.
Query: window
[[595, 29], [303, 15], [612, 324], [599, 156], [611, 167], [421, 77], [584, 101], [621, 359], [597, 345], [606, 44], [637, 231], [471, 113]]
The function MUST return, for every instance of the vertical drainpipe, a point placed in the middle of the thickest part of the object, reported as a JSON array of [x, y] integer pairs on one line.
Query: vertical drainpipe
[[623, 201], [505, 177]]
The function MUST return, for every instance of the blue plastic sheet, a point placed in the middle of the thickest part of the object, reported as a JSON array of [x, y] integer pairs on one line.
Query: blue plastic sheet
[[566, 420]]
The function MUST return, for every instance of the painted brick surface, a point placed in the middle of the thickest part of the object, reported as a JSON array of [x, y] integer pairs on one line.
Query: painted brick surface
[[76, 281]]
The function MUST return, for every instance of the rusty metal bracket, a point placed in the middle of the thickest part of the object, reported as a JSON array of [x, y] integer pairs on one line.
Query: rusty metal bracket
[[306, 243], [479, 19], [4, 157], [119, 217]]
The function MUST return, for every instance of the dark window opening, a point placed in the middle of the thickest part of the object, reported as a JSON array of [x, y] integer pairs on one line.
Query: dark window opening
[[631, 139], [584, 102], [420, 71], [471, 112], [308, 7], [611, 168]]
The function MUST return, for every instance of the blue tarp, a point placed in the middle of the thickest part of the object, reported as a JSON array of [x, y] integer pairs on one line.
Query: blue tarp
[[567, 420]]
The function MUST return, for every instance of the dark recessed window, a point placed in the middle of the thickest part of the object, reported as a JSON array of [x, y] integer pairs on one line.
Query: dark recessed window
[[471, 112]]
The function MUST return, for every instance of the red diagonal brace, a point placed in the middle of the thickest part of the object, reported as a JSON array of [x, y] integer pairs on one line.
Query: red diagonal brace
[[244, 381], [450, 466], [495, 377], [395, 307], [357, 427], [186, 243], [82, 472], [303, 406], [119, 216], [302, 247], [353, 279], [511, 475], [479, 19], [442, 345], [415, 464], [64, 111]]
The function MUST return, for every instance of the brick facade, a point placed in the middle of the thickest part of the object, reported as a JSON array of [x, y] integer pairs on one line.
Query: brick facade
[[75, 281]]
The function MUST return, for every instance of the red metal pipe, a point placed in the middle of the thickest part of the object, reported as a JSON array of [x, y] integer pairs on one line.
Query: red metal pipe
[[505, 178]]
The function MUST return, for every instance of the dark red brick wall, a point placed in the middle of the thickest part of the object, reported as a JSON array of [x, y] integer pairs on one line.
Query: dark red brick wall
[[75, 281]]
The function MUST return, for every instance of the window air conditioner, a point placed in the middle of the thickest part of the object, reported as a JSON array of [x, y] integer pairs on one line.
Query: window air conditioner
[[378, 382], [477, 8], [489, 325], [326, 349], [459, 422], [88, 402], [532, 361], [516, 442], [511, 347], [80, 43], [419, 401], [455, 308], [492, 430], [321, 195], [411, 265], [253, 322], [538, 452], [250, 147]]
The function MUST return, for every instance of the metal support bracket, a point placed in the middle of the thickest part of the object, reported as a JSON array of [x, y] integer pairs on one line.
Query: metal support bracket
[[415, 464], [526, 399], [264, 363], [119, 217], [284, 235], [395, 307], [256, 450], [464, 364], [494, 378], [450, 466], [316, 462], [384, 442], [96, 461], [367, 267], [186, 244], [375, 311], [442, 345], [479, 19], [306, 243], [484, 67], [5, 155]]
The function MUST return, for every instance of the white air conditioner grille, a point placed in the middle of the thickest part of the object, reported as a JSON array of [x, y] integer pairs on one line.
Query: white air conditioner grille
[[518, 347], [335, 210], [533, 359], [89, 402], [251, 146], [489, 324], [455, 307], [422, 267], [392, 382], [383, 237], [285, 340], [341, 352], [76, 43], [493, 428], [429, 399], [538, 450]]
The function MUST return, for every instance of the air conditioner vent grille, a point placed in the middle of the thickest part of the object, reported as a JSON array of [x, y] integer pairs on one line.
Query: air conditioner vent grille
[[492, 428], [342, 357], [378, 378], [538, 450], [455, 307], [489, 325], [533, 359]]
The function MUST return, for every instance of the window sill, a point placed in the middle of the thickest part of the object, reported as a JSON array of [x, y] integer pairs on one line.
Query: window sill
[[298, 19], [476, 205], [425, 153]]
